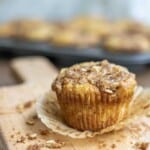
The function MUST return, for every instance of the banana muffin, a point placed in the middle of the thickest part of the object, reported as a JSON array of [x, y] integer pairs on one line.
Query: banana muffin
[[94, 95]]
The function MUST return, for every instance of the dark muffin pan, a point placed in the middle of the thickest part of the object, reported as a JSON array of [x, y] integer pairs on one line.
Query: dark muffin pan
[[65, 56]]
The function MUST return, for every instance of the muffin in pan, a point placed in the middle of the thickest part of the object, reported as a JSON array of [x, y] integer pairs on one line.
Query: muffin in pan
[[132, 27], [35, 30], [69, 37], [127, 43], [94, 95], [9, 30], [92, 25]]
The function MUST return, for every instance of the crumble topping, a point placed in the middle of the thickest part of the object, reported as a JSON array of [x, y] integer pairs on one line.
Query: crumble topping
[[105, 76]]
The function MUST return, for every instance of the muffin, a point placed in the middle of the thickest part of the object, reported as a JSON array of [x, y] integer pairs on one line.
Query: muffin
[[132, 27], [35, 30], [94, 95], [75, 38], [91, 25], [8, 30], [123, 43], [64, 38]]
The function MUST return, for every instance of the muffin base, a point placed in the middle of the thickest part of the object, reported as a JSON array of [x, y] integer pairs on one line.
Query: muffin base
[[91, 110]]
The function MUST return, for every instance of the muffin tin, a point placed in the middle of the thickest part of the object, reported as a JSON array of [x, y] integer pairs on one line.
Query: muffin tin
[[64, 56], [81, 39], [114, 36]]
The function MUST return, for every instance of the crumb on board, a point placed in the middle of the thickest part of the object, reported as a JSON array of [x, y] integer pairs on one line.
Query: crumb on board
[[35, 116], [30, 122], [146, 106], [29, 104], [28, 136], [104, 145], [44, 132], [142, 145], [22, 107], [34, 147], [54, 144], [131, 142], [21, 139], [113, 146], [50, 144], [12, 136], [32, 136]]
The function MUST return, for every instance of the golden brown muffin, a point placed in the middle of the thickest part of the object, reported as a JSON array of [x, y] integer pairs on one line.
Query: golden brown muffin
[[127, 43], [8, 30], [41, 33], [69, 37], [64, 38], [130, 27], [91, 25], [94, 95], [36, 30]]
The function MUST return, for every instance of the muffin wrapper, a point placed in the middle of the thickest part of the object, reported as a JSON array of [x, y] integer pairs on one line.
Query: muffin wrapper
[[49, 112], [90, 110]]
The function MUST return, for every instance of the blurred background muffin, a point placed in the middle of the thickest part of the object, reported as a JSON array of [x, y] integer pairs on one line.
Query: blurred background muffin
[[128, 43]]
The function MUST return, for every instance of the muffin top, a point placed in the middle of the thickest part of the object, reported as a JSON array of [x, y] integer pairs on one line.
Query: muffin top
[[105, 76]]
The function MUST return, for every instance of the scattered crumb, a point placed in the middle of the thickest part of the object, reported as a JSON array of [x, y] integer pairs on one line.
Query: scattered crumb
[[142, 145], [146, 106], [131, 142], [21, 139], [104, 145], [44, 132], [32, 136], [101, 144], [35, 116], [29, 104], [54, 144], [12, 136], [113, 146], [30, 122], [21, 107], [34, 147]]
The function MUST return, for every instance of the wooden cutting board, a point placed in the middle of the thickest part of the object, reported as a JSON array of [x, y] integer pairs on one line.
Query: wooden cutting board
[[17, 107]]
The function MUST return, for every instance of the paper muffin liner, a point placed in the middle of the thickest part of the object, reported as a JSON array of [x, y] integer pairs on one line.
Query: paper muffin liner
[[48, 111], [85, 108]]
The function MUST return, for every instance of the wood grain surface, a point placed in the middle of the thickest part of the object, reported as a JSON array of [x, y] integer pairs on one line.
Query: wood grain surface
[[17, 107]]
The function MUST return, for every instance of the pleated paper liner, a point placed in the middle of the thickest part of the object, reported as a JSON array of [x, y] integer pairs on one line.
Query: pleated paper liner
[[49, 112]]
